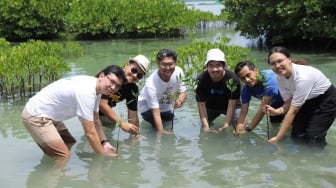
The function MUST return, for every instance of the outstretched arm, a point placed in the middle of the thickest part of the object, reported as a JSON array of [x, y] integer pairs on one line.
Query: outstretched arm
[[286, 123], [158, 121], [204, 117], [240, 127], [260, 113], [229, 113], [182, 97], [92, 135]]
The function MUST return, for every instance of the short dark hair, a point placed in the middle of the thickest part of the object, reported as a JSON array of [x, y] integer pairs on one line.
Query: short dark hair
[[116, 70], [242, 64], [166, 53]]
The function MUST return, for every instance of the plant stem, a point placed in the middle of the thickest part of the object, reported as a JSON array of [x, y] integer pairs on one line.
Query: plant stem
[[267, 123], [172, 126], [118, 141]]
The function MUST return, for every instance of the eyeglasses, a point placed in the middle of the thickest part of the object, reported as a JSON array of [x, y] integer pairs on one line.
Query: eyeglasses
[[114, 82], [279, 61], [167, 64], [135, 71]]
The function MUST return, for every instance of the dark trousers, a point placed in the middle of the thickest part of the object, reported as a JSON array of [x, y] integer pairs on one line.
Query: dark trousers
[[315, 118], [165, 116]]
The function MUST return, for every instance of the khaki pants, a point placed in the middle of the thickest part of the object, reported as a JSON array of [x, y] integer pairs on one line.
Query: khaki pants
[[50, 136]]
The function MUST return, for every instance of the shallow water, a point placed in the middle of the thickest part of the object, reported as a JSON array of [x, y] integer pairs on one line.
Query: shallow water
[[189, 158]]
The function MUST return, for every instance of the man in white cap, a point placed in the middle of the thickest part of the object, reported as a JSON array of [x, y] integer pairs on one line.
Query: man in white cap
[[135, 69], [217, 92]]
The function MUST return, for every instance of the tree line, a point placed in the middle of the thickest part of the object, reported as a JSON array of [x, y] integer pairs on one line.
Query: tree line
[[295, 23], [22, 20]]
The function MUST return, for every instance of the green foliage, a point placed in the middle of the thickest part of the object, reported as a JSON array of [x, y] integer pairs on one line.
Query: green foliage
[[33, 19], [102, 18], [192, 57], [283, 21], [33, 61], [229, 84], [48, 19], [118, 124]]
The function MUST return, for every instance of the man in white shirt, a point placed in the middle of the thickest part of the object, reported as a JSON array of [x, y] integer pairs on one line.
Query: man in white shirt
[[163, 91], [66, 98]]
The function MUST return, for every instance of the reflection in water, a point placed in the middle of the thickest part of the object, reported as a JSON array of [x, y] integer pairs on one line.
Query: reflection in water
[[189, 158], [45, 174]]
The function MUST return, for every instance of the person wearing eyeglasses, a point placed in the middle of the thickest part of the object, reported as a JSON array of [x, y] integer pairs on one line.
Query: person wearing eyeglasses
[[44, 113], [309, 99], [135, 69], [163, 91]]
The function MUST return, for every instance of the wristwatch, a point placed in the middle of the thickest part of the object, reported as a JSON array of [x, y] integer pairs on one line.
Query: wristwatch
[[247, 128], [103, 142]]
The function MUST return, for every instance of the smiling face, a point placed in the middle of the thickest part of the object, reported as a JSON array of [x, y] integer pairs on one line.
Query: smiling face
[[216, 70], [133, 72], [280, 64], [248, 76], [166, 68], [107, 84]]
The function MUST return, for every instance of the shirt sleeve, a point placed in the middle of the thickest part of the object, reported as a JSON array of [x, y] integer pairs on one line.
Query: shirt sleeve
[[132, 98]]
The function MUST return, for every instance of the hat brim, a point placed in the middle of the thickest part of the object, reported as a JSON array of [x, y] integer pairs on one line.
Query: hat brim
[[140, 65]]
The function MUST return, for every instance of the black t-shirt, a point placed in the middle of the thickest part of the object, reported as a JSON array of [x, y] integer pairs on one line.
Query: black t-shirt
[[129, 92], [216, 95]]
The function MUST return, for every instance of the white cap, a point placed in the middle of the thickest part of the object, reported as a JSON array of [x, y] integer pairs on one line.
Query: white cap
[[142, 61], [215, 55]]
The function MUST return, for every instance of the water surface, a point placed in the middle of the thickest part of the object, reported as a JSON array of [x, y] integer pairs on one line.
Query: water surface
[[189, 158]]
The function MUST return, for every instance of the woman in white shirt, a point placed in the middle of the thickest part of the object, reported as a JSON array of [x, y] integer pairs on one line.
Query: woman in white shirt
[[310, 99]]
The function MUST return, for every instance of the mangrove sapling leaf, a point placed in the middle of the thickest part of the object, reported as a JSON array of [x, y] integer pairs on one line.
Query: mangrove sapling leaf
[[175, 95], [232, 87], [118, 124]]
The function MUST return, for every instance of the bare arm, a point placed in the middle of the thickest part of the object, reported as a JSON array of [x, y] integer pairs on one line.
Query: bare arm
[[114, 117], [108, 148], [229, 113], [108, 111], [133, 122], [92, 135], [204, 117], [281, 110], [182, 97], [242, 119], [286, 123], [157, 119], [260, 113]]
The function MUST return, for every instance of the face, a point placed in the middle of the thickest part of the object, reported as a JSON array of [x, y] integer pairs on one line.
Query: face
[[133, 73], [248, 76], [280, 64], [108, 84], [166, 67], [216, 70]]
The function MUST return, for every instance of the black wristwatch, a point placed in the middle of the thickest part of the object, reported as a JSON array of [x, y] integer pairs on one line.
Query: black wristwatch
[[103, 142], [247, 128]]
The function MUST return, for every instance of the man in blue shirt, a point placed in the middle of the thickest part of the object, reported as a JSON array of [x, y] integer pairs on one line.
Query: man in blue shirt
[[261, 85]]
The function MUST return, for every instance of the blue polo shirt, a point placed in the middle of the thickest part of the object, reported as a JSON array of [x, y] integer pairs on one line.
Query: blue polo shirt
[[266, 87]]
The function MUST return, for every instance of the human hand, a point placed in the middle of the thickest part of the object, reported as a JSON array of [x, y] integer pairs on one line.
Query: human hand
[[209, 129], [267, 109], [274, 140], [239, 131], [178, 104], [130, 128], [109, 150], [170, 132], [223, 128]]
